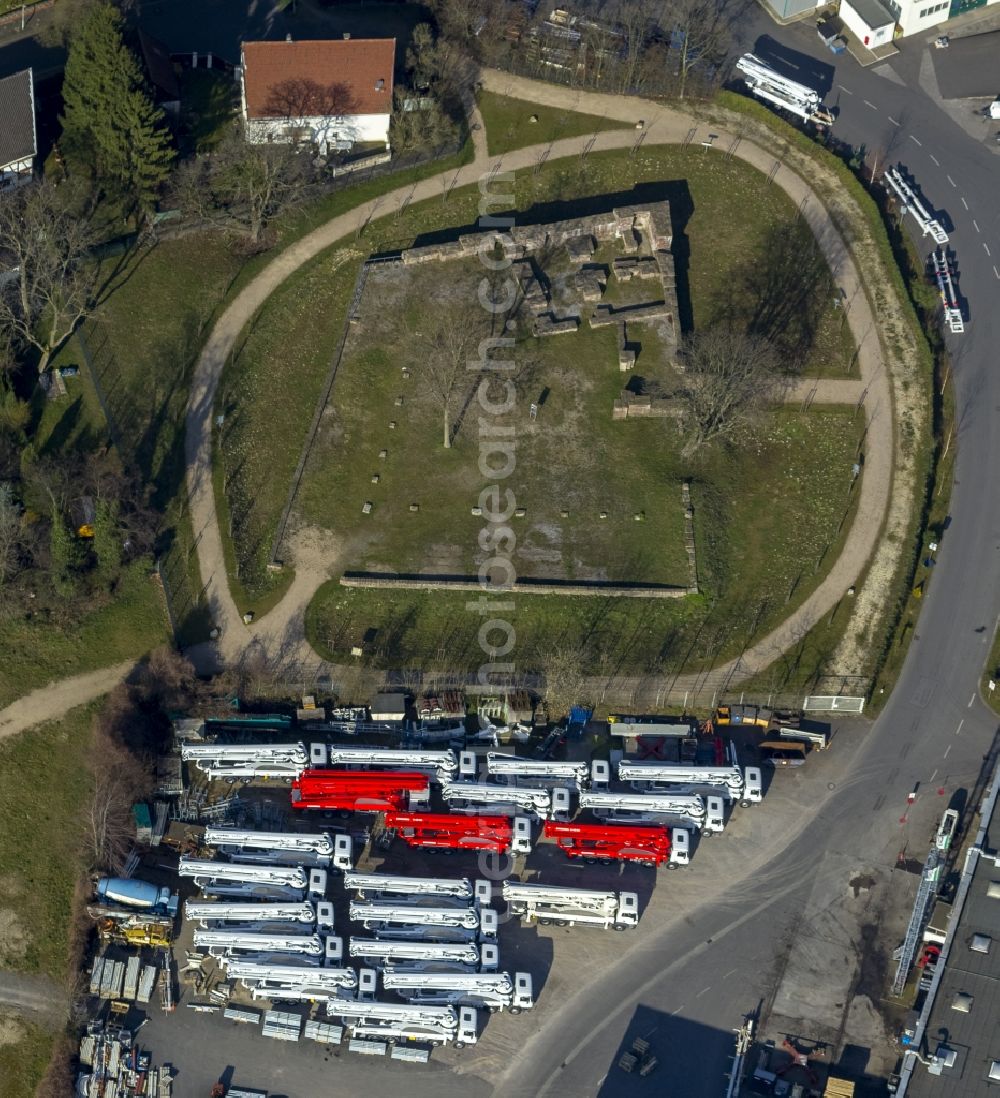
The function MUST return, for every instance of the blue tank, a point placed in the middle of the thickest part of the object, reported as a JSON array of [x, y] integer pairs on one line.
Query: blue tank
[[141, 894]]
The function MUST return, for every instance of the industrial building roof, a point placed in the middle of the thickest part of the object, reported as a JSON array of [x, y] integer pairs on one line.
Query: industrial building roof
[[873, 12], [360, 68], [970, 67], [17, 118], [962, 1030]]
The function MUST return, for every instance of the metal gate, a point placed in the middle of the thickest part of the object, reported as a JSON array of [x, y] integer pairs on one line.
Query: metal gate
[[829, 703]]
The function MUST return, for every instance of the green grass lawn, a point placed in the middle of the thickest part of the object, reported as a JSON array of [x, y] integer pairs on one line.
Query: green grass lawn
[[509, 124], [24, 1055], [51, 646], [768, 519], [40, 841], [571, 459], [291, 350]]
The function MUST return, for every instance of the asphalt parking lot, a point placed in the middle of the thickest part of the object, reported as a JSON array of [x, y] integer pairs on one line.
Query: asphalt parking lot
[[564, 962]]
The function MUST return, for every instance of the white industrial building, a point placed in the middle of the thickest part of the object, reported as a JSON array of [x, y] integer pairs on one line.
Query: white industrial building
[[877, 23], [334, 94]]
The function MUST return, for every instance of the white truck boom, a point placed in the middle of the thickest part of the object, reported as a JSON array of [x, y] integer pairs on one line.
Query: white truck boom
[[551, 904], [688, 805], [731, 781], [243, 941], [537, 801], [465, 953], [315, 842], [250, 892], [510, 767], [255, 974], [203, 870], [205, 912], [381, 914], [439, 765], [495, 991], [436, 1024], [798, 99], [910, 203], [242, 760], [378, 884]]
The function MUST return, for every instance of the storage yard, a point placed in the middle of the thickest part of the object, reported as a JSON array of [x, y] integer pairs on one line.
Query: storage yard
[[401, 882]]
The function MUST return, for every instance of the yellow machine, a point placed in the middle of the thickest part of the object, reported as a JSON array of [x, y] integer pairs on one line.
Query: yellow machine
[[136, 930], [743, 714]]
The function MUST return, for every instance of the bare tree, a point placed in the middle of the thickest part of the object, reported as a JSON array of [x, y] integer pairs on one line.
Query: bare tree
[[562, 666], [244, 186], [731, 381], [49, 244], [704, 34], [10, 534], [446, 349]]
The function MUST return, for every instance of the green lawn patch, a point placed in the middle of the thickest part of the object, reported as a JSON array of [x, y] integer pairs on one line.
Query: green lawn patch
[[509, 123], [40, 840], [768, 518], [52, 644], [286, 349], [24, 1055]]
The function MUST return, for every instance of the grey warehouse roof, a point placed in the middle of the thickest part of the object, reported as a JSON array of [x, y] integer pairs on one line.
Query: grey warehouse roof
[[17, 118], [965, 1016]]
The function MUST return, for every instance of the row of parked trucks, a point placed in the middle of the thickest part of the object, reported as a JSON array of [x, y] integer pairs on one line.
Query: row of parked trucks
[[430, 942]]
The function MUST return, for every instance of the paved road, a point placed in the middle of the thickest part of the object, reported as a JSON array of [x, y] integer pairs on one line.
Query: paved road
[[37, 997]]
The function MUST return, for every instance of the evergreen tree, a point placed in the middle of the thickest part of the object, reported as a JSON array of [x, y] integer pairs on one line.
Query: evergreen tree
[[107, 543], [63, 554], [108, 118]]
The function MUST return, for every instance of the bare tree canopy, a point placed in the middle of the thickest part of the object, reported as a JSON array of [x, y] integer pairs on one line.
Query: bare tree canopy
[[446, 348], [243, 186], [49, 244], [732, 380]]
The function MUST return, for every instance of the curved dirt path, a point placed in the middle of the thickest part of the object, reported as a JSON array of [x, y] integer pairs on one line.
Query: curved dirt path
[[280, 634], [49, 703]]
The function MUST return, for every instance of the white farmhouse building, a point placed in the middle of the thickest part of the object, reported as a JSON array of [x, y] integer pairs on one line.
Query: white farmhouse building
[[18, 140], [335, 93]]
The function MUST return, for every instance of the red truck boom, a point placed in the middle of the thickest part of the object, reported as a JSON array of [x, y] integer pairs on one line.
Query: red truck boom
[[611, 842], [451, 831], [357, 790]]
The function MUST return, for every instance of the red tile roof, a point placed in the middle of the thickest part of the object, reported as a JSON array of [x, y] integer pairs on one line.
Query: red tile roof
[[358, 65]]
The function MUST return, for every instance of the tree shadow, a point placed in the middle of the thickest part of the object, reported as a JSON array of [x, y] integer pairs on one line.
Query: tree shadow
[[782, 293]]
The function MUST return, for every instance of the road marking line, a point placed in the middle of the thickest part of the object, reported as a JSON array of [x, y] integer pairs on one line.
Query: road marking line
[[975, 224], [729, 973], [933, 776], [893, 120], [935, 159], [703, 990], [917, 140], [987, 247], [678, 1010], [969, 706], [996, 272], [846, 91], [962, 721], [965, 204], [951, 181], [872, 105], [947, 749]]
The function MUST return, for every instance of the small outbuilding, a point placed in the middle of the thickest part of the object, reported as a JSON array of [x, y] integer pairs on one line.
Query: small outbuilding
[[389, 708]]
